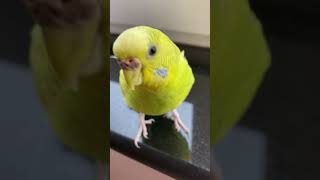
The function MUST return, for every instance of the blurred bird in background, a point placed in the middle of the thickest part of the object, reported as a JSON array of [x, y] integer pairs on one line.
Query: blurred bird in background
[[240, 59], [69, 70]]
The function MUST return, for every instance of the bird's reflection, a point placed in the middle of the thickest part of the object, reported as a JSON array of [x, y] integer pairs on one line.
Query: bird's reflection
[[163, 136]]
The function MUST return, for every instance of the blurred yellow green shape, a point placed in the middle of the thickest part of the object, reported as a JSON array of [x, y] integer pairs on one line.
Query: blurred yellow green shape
[[78, 115], [240, 59]]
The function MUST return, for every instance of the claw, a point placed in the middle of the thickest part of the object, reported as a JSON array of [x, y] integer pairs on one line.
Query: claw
[[178, 122], [136, 143], [136, 140], [176, 125], [142, 129], [145, 134], [150, 121]]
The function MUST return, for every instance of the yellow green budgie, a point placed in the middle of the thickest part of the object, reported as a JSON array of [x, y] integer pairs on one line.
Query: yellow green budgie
[[155, 76], [69, 70], [240, 59]]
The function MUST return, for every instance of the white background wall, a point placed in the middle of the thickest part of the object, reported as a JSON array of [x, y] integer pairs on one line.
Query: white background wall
[[185, 21]]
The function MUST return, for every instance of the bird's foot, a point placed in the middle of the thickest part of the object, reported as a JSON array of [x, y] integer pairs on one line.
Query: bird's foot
[[169, 115], [178, 124], [142, 129]]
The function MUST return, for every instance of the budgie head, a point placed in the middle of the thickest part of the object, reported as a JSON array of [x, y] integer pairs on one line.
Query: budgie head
[[145, 55]]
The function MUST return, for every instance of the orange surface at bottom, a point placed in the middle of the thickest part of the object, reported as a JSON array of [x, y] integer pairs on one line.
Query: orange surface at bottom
[[124, 168]]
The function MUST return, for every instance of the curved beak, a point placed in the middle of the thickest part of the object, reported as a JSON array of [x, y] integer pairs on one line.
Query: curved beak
[[132, 71]]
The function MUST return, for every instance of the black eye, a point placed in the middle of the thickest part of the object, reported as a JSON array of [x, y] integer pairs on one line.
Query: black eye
[[152, 50]]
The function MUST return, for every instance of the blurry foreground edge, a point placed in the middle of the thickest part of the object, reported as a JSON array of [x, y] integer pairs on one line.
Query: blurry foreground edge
[[240, 58]]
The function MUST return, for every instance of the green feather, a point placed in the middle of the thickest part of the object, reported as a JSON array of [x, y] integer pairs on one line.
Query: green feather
[[77, 111], [240, 59]]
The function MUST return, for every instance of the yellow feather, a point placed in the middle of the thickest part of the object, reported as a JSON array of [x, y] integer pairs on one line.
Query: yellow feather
[[167, 76]]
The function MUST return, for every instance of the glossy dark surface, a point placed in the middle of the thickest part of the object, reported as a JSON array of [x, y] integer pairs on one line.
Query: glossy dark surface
[[162, 135]]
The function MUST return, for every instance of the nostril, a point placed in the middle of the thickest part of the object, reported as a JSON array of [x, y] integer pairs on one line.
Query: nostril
[[122, 65], [125, 66], [130, 60]]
